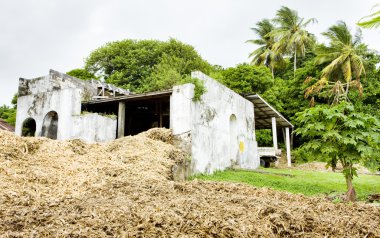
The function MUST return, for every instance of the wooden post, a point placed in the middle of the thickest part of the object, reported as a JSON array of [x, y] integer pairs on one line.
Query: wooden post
[[160, 109], [121, 120], [288, 147], [274, 133]]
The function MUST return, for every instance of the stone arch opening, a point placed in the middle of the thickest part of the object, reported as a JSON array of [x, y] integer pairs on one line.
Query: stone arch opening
[[50, 125], [29, 127], [234, 147]]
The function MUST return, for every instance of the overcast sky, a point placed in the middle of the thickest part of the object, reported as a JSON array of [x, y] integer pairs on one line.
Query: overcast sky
[[38, 35]]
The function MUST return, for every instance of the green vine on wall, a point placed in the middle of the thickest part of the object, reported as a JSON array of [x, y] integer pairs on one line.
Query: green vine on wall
[[199, 88]]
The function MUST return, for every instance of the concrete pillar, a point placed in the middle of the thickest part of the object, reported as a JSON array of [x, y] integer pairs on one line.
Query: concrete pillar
[[274, 133], [287, 142], [121, 120]]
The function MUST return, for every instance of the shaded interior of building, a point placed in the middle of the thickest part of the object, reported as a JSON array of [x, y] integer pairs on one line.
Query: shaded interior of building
[[140, 114], [29, 127]]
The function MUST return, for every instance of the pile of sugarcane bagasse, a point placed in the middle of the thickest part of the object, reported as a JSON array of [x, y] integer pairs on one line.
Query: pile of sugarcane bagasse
[[125, 188]]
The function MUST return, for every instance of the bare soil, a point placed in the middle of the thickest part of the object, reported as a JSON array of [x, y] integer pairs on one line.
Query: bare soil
[[321, 166], [125, 189]]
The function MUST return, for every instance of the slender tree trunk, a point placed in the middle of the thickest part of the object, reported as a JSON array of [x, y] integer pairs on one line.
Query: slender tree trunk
[[295, 62], [272, 69], [333, 165], [348, 86], [351, 193]]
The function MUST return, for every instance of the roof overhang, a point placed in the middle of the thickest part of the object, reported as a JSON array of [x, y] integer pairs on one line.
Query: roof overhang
[[132, 97], [264, 113]]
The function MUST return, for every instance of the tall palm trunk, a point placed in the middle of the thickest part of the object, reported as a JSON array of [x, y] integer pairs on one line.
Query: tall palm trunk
[[295, 62]]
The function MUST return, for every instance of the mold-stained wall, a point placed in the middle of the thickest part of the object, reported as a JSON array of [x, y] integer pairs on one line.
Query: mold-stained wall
[[221, 126], [92, 127], [62, 94]]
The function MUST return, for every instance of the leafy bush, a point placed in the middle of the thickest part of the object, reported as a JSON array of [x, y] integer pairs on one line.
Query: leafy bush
[[339, 133]]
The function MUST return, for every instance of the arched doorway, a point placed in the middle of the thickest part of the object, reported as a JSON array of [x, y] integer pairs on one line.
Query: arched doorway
[[28, 127], [234, 148], [50, 125]]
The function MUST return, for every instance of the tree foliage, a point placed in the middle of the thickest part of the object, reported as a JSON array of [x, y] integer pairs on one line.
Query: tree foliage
[[345, 65], [7, 113], [371, 21], [132, 64], [339, 133], [81, 74], [266, 54], [245, 78], [291, 36]]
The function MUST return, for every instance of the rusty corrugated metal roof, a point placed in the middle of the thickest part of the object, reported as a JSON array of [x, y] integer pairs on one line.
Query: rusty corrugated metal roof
[[264, 113], [6, 126]]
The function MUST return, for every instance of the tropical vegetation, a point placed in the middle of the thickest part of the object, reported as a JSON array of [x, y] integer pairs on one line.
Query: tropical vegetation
[[266, 54], [291, 36], [372, 20]]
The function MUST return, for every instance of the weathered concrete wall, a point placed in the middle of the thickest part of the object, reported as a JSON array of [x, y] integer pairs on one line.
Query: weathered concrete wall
[[56, 92], [181, 104], [55, 81], [221, 126], [92, 127], [36, 106]]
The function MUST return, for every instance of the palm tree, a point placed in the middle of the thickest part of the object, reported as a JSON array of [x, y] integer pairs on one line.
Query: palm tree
[[343, 56], [265, 55], [371, 21], [291, 36]]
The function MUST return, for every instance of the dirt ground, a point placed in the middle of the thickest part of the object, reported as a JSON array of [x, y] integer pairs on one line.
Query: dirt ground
[[125, 189], [321, 166]]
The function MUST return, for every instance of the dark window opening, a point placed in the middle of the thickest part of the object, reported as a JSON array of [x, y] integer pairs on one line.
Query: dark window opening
[[29, 127], [109, 108]]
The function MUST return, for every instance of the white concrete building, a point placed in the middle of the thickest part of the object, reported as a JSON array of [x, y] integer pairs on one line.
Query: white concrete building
[[218, 131], [221, 126], [50, 106]]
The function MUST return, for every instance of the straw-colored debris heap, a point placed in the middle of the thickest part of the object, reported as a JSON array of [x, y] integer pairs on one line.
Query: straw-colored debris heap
[[125, 189]]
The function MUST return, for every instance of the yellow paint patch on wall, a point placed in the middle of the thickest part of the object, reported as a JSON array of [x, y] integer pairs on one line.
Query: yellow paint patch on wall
[[241, 146]]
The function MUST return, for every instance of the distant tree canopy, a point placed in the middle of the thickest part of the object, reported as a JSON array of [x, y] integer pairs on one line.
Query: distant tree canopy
[[143, 65], [245, 78], [81, 74], [9, 113]]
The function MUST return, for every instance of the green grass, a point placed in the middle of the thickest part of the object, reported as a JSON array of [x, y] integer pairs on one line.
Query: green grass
[[305, 182]]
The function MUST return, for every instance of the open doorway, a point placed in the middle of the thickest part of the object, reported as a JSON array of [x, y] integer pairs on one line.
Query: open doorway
[[29, 127], [50, 125]]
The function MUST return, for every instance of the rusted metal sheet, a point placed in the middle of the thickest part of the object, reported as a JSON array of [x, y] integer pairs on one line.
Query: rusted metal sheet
[[6, 126]]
